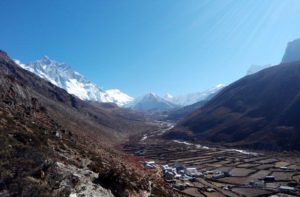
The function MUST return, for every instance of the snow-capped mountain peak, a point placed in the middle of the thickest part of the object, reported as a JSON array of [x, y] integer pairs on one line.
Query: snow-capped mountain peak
[[63, 76], [151, 101], [151, 95]]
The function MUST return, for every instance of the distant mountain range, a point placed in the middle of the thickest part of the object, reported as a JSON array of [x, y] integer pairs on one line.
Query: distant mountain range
[[63, 76], [258, 111], [175, 106], [192, 98]]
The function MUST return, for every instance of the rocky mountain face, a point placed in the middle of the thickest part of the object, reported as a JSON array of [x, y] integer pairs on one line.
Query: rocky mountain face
[[63, 76], [258, 111], [292, 52], [54, 144]]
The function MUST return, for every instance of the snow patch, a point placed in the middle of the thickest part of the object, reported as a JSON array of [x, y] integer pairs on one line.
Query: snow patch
[[244, 152], [191, 144], [144, 138], [118, 97]]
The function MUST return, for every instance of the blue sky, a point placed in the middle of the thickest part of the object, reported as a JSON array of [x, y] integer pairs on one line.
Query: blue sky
[[174, 46]]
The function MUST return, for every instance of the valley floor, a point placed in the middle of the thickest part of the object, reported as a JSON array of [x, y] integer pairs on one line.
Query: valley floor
[[224, 172]]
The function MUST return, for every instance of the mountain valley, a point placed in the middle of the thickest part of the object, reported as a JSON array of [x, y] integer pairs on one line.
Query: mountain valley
[[61, 135], [150, 98]]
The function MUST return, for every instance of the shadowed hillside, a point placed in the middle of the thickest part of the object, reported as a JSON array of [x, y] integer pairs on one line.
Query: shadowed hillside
[[257, 111]]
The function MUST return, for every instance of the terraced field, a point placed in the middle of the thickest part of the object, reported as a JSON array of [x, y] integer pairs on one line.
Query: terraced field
[[243, 167]]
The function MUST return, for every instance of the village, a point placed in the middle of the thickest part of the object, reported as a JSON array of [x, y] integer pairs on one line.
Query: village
[[196, 170]]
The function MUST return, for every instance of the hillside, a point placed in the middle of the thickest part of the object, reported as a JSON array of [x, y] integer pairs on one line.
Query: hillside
[[183, 112], [106, 120], [53, 144], [258, 111]]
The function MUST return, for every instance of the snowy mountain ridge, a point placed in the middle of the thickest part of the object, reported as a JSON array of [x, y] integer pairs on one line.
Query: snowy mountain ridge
[[192, 98], [152, 101], [63, 76]]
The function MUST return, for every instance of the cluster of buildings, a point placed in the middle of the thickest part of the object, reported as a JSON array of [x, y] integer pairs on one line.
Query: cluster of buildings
[[177, 175], [182, 172], [269, 179], [178, 171], [181, 177], [216, 174]]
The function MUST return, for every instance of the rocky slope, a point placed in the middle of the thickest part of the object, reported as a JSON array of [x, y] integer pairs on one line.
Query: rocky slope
[[53, 144], [258, 111], [292, 52]]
